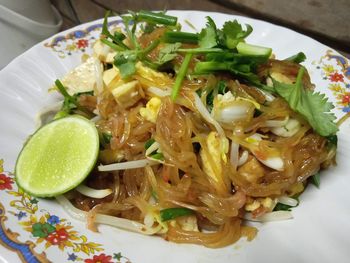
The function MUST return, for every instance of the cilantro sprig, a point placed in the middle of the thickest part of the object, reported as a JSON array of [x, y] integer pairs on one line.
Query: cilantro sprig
[[222, 49], [313, 106], [128, 55], [70, 102]]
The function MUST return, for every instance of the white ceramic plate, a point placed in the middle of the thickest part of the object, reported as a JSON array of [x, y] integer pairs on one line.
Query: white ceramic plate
[[319, 231]]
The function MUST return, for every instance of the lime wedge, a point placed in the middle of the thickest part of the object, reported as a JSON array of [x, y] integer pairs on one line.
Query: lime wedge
[[58, 157]]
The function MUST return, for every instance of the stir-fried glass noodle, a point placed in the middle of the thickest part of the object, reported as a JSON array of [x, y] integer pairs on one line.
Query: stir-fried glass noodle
[[196, 137]]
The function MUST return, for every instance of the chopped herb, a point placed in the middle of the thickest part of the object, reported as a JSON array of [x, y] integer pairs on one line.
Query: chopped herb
[[127, 56], [297, 58], [157, 156], [106, 137], [171, 213], [282, 207], [222, 87], [253, 50], [69, 104], [332, 140], [183, 37], [149, 143], [316, 180], [180, 76], [111, 45], [257, 113], [156, 18], [154, 194]]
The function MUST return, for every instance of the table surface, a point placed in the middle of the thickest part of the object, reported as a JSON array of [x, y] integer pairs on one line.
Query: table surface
[[324, 20]]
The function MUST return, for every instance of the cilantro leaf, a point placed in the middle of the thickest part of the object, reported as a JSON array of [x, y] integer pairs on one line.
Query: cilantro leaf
[[125, 61], [207, 37], [168, 53], [127, 69], [234, 33], [314, 106]]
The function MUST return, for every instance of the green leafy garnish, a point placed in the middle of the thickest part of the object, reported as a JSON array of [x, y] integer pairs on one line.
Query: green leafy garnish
[[253, 50], [106, 137], [332, 140], [297, 58], [157, 156], [70, 103], [180, 76], [316, 180], [183, 37], [127, 56], [233, 33], [284, 207], [156, 18], [149, 143], [314, 106], [168, 53], [220, 88], [171, 213], [207, 37]]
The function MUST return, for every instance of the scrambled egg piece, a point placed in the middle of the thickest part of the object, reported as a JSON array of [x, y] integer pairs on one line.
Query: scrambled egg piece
[[108, 156], [188, 223], [267, 203], [251, 170], [150, 77], [211, 159], [150, 112], [82, 78]]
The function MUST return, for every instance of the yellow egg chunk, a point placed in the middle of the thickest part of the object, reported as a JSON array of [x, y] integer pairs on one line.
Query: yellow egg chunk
[[150, 112]]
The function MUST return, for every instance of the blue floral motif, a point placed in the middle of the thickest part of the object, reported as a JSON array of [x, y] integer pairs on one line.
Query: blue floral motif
[[346, 109], [20, 215], [53, 220], [72, 257]]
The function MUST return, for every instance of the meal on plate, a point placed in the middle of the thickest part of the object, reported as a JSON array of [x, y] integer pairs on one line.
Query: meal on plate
[[188, 136]]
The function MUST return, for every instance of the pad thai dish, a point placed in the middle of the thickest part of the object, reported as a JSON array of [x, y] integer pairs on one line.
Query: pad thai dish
[[200, 133]]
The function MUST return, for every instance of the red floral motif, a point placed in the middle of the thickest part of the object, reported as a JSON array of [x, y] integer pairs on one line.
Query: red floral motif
[[335, 77], [346, 98], [58, 236], [102, 258], [82, 43], [5, 182]]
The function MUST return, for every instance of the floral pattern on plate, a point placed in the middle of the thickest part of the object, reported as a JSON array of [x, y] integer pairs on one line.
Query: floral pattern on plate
[[78, 41], [336, 70], [45, 228]]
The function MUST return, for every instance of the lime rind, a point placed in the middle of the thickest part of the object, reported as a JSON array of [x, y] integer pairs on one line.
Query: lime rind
[[58, 157]]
